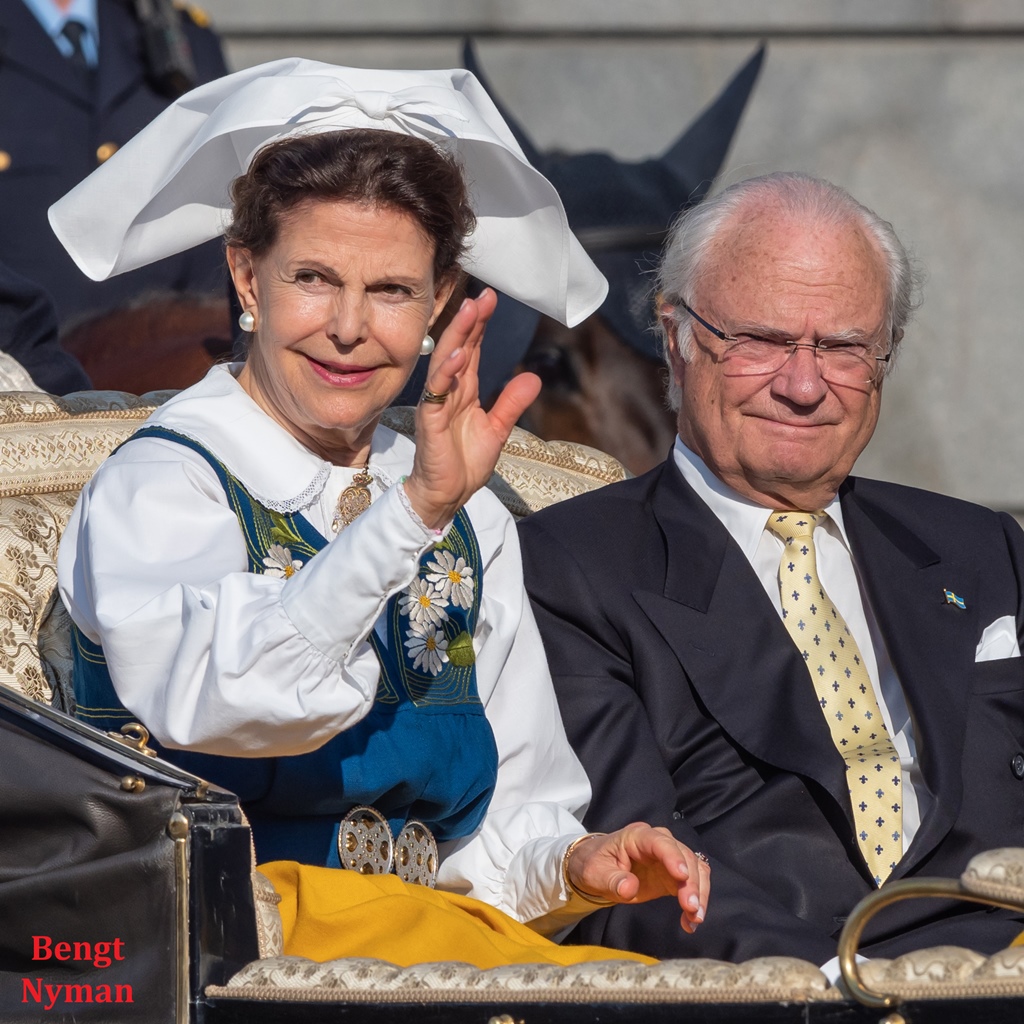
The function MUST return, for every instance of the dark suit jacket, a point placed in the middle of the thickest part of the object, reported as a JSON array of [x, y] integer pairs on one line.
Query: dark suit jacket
[[28, 332], [690, 707], [51, 129]]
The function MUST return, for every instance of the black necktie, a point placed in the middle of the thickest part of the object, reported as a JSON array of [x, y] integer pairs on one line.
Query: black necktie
[[73, 31]]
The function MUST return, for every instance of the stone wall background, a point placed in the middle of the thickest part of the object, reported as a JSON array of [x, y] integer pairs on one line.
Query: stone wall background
[[915, 106]]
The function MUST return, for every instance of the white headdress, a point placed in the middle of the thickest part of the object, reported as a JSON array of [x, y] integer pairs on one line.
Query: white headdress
[[167, 189]]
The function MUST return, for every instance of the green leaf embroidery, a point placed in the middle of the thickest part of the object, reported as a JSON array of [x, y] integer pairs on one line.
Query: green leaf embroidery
[[460, 650]]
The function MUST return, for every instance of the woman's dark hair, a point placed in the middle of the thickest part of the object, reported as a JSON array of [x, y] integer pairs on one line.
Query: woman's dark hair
[[378, 168]]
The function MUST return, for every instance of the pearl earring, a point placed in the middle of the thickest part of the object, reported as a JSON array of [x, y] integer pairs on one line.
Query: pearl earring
[[247, 322], [427, 346]]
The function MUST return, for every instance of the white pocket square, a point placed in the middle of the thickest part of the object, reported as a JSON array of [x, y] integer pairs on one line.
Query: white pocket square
[[998, 641]]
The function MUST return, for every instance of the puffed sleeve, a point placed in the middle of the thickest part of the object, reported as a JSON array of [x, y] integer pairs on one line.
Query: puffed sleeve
[[210, 656], [513, 861]]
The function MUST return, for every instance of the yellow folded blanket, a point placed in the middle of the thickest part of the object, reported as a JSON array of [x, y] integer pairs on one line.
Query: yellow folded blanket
[[330, 913]]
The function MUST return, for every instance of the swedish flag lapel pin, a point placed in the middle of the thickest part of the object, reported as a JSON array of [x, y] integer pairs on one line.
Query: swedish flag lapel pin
[[952, 598]]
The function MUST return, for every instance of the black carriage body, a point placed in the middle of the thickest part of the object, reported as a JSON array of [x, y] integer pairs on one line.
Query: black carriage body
[[946, 1011], [124, 882]]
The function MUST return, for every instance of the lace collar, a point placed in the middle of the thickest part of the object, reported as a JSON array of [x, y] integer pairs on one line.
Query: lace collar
[[278, 471]]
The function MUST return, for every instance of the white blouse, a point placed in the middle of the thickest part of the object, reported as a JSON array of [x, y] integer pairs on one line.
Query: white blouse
[[217, 659]]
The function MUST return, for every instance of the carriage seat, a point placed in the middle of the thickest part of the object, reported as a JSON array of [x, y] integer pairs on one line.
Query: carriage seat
[[49, 448]]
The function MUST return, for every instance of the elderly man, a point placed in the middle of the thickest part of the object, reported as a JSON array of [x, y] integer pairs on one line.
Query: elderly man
[[812, 678]]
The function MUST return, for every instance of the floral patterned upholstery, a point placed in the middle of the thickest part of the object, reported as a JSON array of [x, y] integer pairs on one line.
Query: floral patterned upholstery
[[948, 972], [49, 447], [767, 979], [944, 972]]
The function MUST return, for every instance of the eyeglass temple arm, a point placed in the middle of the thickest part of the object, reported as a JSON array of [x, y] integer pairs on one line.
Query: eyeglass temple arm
[[721, 335]]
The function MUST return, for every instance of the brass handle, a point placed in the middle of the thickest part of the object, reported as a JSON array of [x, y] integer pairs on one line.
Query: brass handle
[[136, 736], [177, 829], [893, 892]]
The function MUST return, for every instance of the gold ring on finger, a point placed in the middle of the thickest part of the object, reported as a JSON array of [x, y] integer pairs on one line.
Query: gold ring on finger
[[433, 398]]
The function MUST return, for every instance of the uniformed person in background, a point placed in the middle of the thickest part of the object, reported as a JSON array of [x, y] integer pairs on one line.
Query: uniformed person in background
[[28, 334], [78, 78]]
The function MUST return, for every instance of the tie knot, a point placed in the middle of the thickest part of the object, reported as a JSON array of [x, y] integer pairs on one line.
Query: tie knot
[[788, 524], [73, 31]]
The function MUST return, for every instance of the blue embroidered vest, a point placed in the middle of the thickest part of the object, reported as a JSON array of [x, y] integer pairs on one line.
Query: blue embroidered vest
[[424, 751]]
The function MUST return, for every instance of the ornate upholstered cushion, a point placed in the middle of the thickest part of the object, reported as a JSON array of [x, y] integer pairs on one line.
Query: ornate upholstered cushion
[[997, 874], [767, 979], [944, 972], [948, 972], [269, 927], [532, 473], [49, 447], [14, 376]]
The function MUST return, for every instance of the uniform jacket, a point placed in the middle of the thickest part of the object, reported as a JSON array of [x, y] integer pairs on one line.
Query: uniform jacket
[[28, 332], [54, 130], [691, 708]]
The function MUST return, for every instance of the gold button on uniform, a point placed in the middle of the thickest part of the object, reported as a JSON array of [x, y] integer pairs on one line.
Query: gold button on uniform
[[5, 159], [199, 17], [105, 152]]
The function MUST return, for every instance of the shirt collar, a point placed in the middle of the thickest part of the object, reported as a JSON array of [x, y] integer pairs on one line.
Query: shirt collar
[[744, 519], [275, 467], [52, 18]]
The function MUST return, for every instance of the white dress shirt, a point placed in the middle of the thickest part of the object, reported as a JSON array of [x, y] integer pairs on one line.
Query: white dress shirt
[[215, 658], [746, 520]]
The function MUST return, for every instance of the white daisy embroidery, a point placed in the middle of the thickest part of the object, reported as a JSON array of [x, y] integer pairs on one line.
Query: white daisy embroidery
[[422, 603], [428, 651], [452, 578], [279, 562]]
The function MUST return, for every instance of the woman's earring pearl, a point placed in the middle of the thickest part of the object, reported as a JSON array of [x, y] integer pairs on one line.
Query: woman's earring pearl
[[247, 322], [427, 346]]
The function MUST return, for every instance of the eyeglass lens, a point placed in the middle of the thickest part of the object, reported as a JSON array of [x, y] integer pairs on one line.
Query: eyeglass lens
[[838, 364]]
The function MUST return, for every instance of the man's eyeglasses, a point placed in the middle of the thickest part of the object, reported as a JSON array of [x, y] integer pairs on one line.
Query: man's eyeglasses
[[840, 360]]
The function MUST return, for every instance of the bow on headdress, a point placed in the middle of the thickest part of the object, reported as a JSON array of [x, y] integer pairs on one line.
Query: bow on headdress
[[168, 188]]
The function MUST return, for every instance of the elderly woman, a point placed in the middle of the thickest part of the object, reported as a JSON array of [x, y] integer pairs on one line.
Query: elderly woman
[[299, 603]]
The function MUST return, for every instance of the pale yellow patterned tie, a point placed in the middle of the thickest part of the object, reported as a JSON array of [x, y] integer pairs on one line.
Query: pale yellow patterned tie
[[845, 694]]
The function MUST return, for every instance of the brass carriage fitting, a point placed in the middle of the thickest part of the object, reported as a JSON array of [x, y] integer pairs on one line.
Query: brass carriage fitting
[[133, 783], [136, 736], [177, 827], [893, 892]]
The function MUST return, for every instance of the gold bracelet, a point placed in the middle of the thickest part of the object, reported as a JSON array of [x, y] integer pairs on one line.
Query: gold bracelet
[[587, 897]]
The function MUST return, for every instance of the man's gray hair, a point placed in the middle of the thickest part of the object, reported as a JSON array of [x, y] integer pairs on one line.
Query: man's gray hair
[[695, 232]]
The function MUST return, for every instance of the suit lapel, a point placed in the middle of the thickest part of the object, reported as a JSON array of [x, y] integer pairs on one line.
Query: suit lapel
[[930, 643], [715, 616], [27, 46]]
